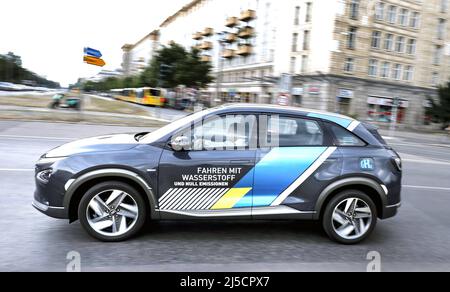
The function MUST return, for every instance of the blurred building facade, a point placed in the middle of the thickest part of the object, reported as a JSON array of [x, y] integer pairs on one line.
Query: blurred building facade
[[356, 57], [137, 56]]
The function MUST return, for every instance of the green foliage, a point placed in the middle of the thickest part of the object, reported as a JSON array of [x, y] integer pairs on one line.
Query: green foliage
[[11, 70], [440, 110], [171, 66]]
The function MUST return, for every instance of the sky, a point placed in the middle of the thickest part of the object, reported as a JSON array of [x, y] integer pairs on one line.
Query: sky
[[50, 35]]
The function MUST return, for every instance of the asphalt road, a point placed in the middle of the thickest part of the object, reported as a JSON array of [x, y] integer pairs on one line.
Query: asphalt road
[[417, 239]]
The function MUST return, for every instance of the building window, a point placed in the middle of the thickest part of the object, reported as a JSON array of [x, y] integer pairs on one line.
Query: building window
[[403, 17], [408, 73], [379, 11], [373, 67], [308, 12], [388, 42], [411, 47], [435, 79], [354, 9], [444, 6], [293, 65], [414, 20], [385, 70], [351, 38], [376, 39], [397, 72], [349, 65], [437, 56], [304, 64], [392, 14], [294, 42], [400, 44], [306, 36], [297, 16], [441, 28]]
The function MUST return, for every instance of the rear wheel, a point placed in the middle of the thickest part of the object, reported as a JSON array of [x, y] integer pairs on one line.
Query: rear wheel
[[350, 217], [112, 211]]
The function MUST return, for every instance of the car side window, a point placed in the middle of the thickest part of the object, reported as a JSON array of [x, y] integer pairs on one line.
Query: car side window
[[293, 131], [231, 132], [345, 137]]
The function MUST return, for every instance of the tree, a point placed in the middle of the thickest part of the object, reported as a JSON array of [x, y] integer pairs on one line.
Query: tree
[[11, 70], [173, 66], [440, 109], [193, 72]]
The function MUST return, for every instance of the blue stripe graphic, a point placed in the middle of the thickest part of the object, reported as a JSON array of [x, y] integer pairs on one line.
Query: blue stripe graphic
[[276, 172]]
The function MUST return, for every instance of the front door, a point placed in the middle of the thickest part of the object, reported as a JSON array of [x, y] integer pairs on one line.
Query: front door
[[214, 177]]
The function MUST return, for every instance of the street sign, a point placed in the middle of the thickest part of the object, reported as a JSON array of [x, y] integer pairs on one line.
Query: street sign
[[92, 57], [92, 52], [94, 61]]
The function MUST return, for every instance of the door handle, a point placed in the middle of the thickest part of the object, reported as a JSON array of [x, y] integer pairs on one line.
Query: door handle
[[236, 162]]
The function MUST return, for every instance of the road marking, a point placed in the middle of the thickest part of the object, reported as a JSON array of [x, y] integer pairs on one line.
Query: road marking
[[427, 188], [36, 137], [16, 169], [420, 159]]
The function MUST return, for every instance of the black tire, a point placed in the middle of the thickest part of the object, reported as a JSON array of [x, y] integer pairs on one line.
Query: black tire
[[327, 221], [103, 187]]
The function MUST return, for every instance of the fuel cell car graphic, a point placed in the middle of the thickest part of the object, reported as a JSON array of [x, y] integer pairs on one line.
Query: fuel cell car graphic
[[230, 162]]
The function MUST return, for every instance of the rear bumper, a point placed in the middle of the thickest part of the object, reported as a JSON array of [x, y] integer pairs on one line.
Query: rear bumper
[[54, 212], [390, 211]]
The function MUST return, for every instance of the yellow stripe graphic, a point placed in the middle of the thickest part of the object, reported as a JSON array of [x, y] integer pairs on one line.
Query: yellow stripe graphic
[[231, 198]]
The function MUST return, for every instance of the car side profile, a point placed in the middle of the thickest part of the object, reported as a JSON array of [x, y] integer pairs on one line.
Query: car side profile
[[226, 163]]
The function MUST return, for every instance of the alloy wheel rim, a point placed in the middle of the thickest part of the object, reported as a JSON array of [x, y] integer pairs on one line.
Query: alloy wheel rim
[[351, 218], [112, 213]]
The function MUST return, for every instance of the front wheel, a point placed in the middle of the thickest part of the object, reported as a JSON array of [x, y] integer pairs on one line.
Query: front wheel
[[350, 217], [112, 211]]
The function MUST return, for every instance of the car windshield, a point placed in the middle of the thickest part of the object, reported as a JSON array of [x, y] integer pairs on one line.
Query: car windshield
[[158, 134]]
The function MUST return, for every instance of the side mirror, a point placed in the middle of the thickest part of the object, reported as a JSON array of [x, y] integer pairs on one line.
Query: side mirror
[[180, 143]]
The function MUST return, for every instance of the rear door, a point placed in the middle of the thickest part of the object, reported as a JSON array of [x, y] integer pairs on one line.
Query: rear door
[[285, 171]]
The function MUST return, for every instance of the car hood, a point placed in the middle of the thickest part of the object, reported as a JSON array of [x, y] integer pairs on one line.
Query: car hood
[[107, 143]]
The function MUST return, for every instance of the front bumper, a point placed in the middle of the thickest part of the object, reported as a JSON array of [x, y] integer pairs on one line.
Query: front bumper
[[54, 212]]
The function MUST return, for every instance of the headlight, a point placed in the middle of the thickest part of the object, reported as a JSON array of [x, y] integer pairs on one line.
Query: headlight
[[49, 160], [44, 176]]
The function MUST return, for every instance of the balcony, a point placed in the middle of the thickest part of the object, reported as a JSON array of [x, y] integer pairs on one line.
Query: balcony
[[247, 15], [206, 46], [228, 54], [205, 58], [231, 38], [197, 36], [246, 32], [208, 32], [245, 50], [232, 22]]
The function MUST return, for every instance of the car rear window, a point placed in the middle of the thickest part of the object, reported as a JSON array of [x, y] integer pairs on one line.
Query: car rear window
[[345, 137], [374, 131]]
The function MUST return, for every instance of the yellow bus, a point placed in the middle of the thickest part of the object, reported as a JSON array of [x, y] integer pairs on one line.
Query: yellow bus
[[128, 94], [150, 96], [145, 96]]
